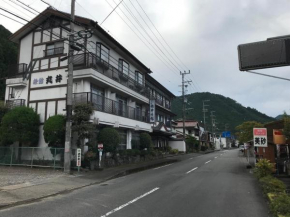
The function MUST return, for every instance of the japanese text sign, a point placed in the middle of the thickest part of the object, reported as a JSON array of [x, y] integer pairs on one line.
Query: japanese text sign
[[152, 110], [79, 157], [260, 137]]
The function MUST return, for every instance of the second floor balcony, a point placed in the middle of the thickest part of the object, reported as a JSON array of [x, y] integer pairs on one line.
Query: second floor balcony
[[16, 70], [89, 60], [15, 103], [103, 104]]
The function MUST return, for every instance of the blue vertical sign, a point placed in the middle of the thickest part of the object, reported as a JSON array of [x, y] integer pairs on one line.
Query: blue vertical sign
[[152, 110]]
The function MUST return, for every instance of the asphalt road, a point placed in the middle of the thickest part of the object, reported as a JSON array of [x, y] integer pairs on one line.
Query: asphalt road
[[213, 185]]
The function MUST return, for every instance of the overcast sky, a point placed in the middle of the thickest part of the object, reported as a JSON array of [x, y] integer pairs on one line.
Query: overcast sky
[[204, 34]]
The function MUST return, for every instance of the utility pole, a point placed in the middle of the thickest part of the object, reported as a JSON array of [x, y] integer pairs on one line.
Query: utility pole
[[204, 110], [183, 99], [212, 120], [67, 152]]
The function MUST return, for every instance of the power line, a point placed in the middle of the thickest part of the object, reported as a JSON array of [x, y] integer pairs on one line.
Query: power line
[[130, 12], [111, 12], [11, 19]]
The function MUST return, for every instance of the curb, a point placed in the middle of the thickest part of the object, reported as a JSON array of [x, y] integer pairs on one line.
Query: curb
[[120, 174]]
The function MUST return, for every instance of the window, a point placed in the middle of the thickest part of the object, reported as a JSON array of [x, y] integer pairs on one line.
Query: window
[[121, 105], [103, 52], [139, 77], [97, 98], [123, 139], [123, 67], [11, 92], [53, 49]]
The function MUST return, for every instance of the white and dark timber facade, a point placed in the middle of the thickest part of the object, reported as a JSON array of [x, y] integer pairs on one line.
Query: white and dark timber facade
[[105, 74]]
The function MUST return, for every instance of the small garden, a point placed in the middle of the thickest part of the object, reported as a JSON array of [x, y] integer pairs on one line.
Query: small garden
[[273, 188]]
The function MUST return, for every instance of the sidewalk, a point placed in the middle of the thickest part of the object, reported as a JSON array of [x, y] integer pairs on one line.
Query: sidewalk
[[12, 195]]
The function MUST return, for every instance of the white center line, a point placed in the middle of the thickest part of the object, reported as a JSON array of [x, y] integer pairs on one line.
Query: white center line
[[191, 158], [215, 157], [207, 162], [130, 202], [161, 167], [191, 170]]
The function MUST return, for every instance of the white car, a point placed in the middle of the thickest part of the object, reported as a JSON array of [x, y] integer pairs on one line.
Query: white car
[[242, 148]]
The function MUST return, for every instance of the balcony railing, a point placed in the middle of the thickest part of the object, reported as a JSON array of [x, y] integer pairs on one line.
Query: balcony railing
[[103, 104], [17, 70], [53, 51], [15, 103], [88, 60]]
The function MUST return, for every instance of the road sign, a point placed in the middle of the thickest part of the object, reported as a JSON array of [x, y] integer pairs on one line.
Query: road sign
[[100, 146], [260, 137], [79, 157]]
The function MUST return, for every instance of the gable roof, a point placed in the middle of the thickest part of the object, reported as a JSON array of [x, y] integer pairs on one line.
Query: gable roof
[[98, 30]]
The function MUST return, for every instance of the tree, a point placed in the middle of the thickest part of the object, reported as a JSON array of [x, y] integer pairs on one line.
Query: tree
[[192, 142], [20, 124], [245, 130], [3, 110], [110, 139], [81, 125], [145, 141], [286, 129], [54, 131]]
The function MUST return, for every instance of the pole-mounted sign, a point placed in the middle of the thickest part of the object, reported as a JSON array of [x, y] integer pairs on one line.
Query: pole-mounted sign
[[79, 158], [260, 137]]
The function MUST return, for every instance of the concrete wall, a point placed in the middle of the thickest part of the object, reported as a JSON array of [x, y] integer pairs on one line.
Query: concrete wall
[[179, 145]]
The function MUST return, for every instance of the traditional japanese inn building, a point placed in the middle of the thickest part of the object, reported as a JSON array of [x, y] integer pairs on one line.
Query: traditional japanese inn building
[[106, 74]]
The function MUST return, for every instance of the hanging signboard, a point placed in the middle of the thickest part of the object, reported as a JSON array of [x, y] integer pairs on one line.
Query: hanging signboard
[[260, 137], [152, 110]]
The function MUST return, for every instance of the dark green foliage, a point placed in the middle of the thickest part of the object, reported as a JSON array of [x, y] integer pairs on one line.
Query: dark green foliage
[[20, 124], [135, 144], [130, 152], [281, 205], [203, 148], [192, 143], [272, 185], [81, 125], [226, 109], [54, 131], [110, 139], [8, 56], [3, 111], [286, 129], [145, 141]]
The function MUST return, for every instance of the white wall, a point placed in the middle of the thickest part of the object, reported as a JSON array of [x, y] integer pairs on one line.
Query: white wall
[[179, 145]]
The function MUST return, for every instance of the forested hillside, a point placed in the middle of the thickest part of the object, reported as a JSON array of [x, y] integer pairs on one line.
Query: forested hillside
[[227, 110], [8, 56]]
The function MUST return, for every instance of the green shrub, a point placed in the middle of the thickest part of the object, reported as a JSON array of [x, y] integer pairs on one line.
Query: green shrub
[[110, 139], [174, 151], [145, 141], [90, 155], [135, 144], [54, 131], [144, 153], [281, 205], [263, 168], [272, 185], [21, 124]]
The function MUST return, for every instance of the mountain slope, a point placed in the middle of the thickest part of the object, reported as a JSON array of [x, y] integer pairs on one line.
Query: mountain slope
[[227, 111], [8, 56]]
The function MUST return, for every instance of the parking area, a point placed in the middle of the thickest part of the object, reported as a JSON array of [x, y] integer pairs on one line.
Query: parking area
[[20, 175]]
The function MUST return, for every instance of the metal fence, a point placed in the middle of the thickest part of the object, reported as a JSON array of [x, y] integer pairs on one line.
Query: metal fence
[[34, 157]]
